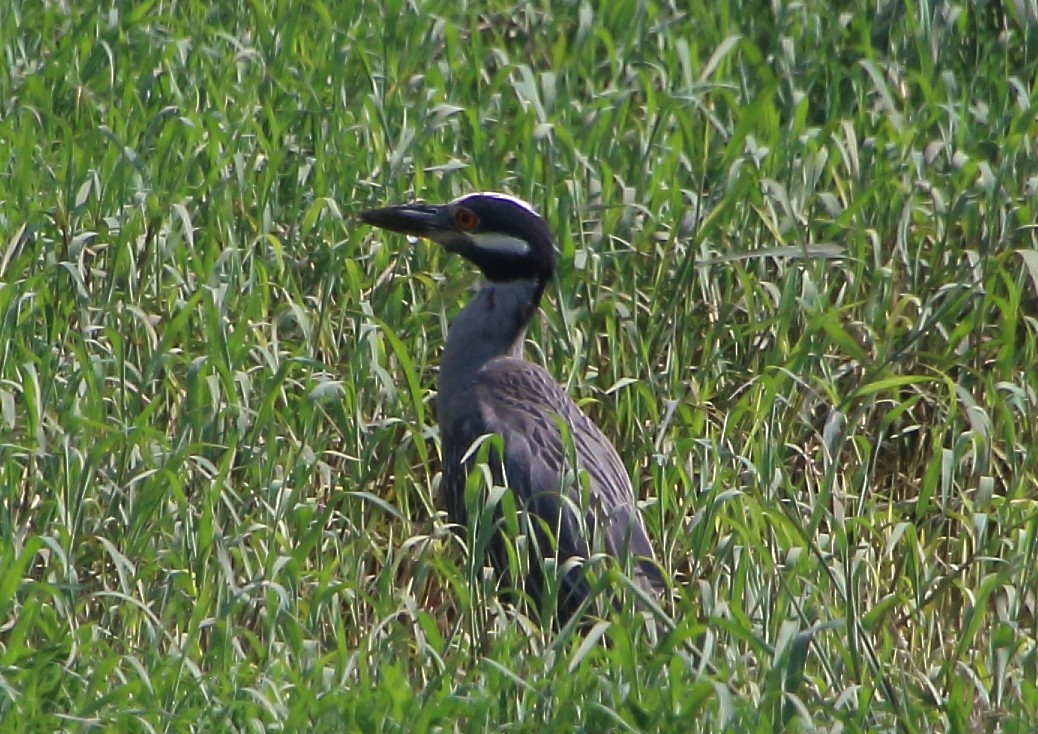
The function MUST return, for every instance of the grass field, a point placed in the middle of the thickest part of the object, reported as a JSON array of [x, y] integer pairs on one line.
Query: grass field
[[798, 289]]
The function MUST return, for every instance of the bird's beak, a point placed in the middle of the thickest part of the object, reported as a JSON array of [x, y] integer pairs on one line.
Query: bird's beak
[[415, 220]]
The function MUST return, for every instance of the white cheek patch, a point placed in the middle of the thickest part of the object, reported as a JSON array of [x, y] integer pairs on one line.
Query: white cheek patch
[[495, 242]]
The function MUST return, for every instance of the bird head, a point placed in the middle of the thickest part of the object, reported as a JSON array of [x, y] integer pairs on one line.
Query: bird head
[[501, 235]]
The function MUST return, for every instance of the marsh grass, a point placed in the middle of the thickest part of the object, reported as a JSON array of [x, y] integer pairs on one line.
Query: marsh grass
[[798, 289]]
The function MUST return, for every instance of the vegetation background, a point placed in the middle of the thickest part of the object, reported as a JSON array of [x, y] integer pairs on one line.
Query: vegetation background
[[798, 288]]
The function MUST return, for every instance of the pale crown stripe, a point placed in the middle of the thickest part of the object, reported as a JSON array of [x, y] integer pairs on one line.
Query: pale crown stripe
[[498, 195]]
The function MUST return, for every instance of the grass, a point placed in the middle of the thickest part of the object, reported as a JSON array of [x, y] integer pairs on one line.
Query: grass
[[798, 289]]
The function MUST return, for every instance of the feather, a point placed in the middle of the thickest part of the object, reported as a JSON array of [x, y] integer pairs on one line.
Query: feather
[[520, 402]]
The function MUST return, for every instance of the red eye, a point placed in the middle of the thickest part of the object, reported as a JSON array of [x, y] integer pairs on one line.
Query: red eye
[[465, 219]]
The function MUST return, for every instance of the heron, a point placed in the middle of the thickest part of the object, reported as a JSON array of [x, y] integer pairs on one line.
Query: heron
[[486, 387]]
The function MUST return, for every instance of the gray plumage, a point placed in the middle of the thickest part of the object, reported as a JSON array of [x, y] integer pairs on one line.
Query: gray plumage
[[485, 387]]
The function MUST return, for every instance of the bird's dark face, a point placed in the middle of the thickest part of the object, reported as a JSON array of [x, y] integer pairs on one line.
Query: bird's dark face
[[501, 235]]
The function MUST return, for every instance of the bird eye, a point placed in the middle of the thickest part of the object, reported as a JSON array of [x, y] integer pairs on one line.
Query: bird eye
[[465, 219]]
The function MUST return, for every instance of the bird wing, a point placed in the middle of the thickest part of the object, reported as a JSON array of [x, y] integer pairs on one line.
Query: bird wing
[[520, 402]]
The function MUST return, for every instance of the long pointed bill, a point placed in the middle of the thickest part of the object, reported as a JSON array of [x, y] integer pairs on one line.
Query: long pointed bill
[[416, 220]]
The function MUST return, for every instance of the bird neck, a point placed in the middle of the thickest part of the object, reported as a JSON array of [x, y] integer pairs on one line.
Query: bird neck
[[491, 325]]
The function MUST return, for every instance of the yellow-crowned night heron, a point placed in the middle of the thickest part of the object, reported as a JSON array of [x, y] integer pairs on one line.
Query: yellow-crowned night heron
[[486, 387]]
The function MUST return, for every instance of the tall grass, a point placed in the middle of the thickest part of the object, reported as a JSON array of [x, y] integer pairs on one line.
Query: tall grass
[[798, 289]]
